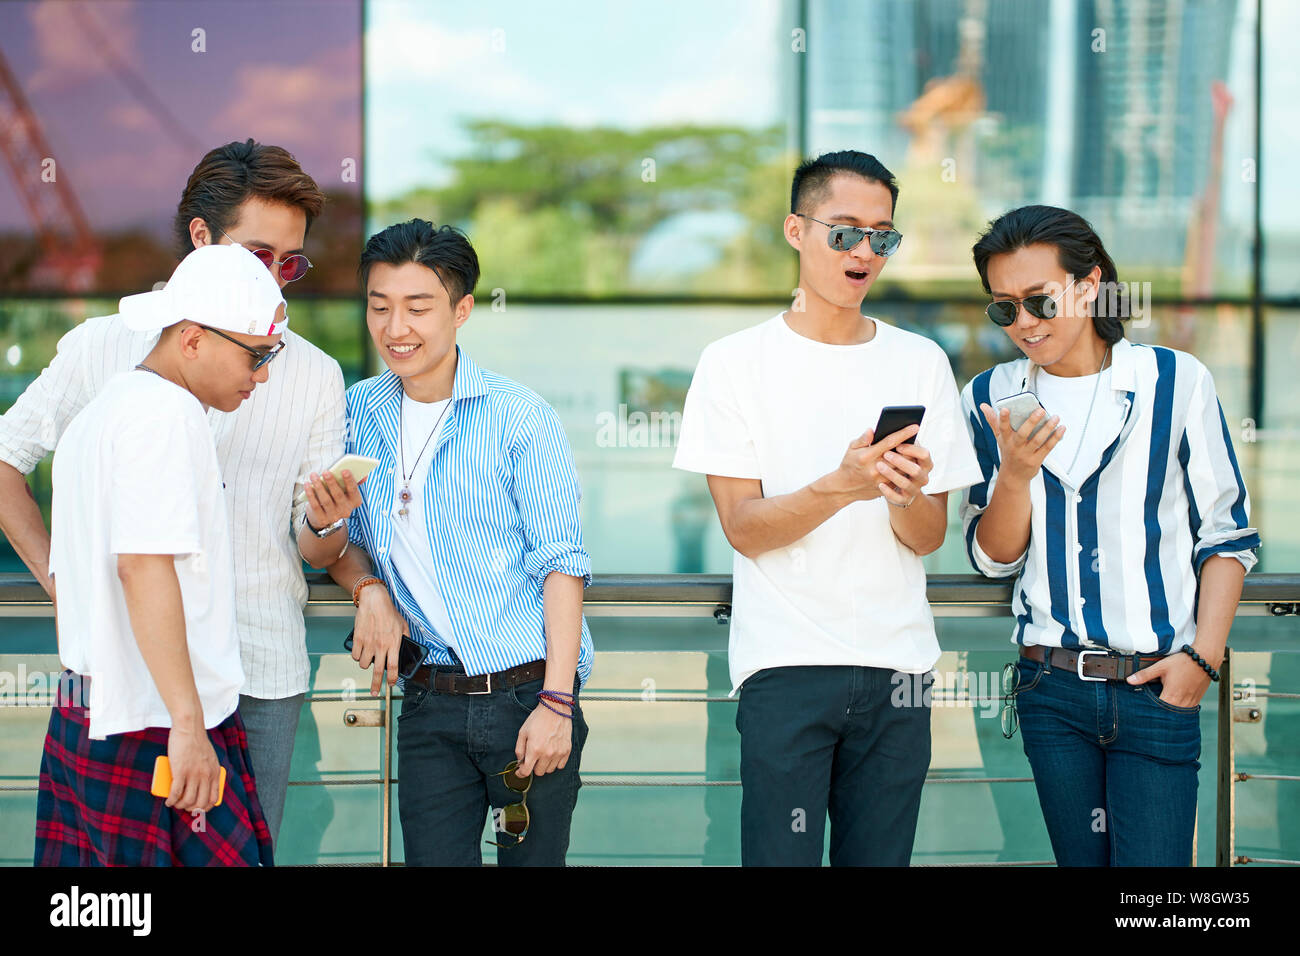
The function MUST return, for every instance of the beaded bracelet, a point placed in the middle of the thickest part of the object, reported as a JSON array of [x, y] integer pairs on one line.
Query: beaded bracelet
[[1205, 666], [542, 700], [361, 584]]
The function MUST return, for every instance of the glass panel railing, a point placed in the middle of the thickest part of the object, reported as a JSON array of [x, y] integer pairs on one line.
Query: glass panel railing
[[661, 765]]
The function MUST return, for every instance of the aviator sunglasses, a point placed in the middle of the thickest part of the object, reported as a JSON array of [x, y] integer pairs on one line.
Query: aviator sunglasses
[[883, 242], [1041, 306], [292, 267]]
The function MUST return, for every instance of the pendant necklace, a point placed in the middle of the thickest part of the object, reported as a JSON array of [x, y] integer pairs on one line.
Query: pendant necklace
[[405, 496]]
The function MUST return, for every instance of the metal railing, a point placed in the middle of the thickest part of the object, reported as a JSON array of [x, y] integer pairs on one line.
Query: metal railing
[[709, 595]]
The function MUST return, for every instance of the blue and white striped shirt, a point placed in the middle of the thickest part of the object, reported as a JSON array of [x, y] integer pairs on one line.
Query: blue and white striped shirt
[[1115, 562], [501, 506]]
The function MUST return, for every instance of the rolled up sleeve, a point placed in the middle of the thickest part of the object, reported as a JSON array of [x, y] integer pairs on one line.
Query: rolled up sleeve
[[547, 493], [975, 498], [325, 443], [1218, 503], [31, 428]]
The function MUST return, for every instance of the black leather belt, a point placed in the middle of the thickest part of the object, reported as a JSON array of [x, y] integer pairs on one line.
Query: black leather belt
[[1088, 664], [450, 682]]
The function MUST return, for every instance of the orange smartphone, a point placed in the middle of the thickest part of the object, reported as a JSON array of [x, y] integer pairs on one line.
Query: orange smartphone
[[162, 780]]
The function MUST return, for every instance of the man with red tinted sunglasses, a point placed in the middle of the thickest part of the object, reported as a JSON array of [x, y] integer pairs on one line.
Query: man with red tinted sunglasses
[[270, 449]]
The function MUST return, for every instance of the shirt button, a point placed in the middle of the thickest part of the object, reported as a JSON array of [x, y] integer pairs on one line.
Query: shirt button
[[1078, 499], [1078, 549], [1080, 602]]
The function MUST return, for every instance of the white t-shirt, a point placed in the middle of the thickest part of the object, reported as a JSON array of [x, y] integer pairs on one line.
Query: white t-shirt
[[292, 426], [1070, 398], [136, 473], [413, 533], [768, 403]]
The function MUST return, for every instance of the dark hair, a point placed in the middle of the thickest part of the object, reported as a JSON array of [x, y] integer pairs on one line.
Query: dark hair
[[444, 249], [812, 178], [1078, 250], [230, 174]]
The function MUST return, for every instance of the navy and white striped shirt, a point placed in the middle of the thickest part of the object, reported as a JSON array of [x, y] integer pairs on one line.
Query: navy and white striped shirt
[[501, 506], [1115, 562]]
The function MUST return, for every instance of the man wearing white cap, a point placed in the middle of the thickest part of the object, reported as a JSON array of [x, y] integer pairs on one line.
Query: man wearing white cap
[[272, 450], [141, 553]]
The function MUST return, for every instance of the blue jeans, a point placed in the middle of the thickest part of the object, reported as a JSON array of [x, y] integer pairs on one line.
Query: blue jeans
[[851, 742], [1114, 765], [450, 748]]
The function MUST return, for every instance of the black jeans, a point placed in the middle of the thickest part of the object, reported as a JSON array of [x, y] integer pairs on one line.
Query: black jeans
[[449, 748], [853, 742]]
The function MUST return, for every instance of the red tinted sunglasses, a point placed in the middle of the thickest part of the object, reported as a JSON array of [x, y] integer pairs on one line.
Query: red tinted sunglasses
[[292, 267]]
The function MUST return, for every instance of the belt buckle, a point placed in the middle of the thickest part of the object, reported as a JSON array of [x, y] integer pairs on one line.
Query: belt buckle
[[480, 693], [1079, 664]]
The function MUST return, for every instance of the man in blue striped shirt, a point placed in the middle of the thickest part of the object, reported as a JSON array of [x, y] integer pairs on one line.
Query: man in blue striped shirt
[[471, 522], [1119, 506]]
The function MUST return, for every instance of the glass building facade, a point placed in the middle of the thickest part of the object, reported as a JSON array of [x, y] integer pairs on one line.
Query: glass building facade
[[623, 173]]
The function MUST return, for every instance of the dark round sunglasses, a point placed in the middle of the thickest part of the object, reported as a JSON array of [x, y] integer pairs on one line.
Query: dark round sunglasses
[[1041, 306], [513, 819], [292, 268], [883, 242]]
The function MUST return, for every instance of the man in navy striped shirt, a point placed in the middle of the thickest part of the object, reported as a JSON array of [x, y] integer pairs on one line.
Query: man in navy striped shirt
[[1119, 506], [471, 520]]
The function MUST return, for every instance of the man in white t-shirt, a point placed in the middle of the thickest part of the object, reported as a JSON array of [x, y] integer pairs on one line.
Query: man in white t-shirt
[[141, 552], [831, 633], [270, 449]]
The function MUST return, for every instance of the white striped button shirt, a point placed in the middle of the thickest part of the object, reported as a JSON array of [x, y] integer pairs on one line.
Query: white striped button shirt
[[1115, 561], [291, 426], [501, 512]]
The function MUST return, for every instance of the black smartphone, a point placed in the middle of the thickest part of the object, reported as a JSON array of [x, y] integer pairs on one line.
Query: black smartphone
[[409, 658], [895, 418]]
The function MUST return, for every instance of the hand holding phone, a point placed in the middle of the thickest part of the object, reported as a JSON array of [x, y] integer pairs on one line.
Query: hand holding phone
[[887, 462], [1021, 406], [1022, 455], [162, 780], [359, 465]]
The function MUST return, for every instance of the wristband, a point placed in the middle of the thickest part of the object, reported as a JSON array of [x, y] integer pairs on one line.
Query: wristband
[[365, 582], [542, 700], [557, 697], [1205, 666]]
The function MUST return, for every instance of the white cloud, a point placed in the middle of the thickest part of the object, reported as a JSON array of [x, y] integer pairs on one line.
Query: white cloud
[[65, 37]]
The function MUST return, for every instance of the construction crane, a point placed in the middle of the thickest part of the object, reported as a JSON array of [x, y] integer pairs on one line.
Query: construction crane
[[70, 255]]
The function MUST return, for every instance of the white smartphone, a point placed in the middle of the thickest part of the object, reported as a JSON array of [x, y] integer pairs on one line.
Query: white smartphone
[[359, 465], [1021, 405]]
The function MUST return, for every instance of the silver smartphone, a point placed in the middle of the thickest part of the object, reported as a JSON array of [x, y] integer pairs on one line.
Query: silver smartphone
[[1021, 405]]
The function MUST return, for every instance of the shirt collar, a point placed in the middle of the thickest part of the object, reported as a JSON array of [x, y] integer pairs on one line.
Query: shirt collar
[[1123, 368], [468, 383]]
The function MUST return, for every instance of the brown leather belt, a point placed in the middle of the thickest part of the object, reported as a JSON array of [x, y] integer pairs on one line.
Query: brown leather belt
[[1090, 664], [449, 682]]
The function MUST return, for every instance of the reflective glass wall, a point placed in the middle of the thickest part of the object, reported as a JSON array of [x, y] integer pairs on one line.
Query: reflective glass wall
[[623, 173]]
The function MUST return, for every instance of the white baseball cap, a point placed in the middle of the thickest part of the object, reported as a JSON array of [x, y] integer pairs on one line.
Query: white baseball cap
[[225, 287]]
